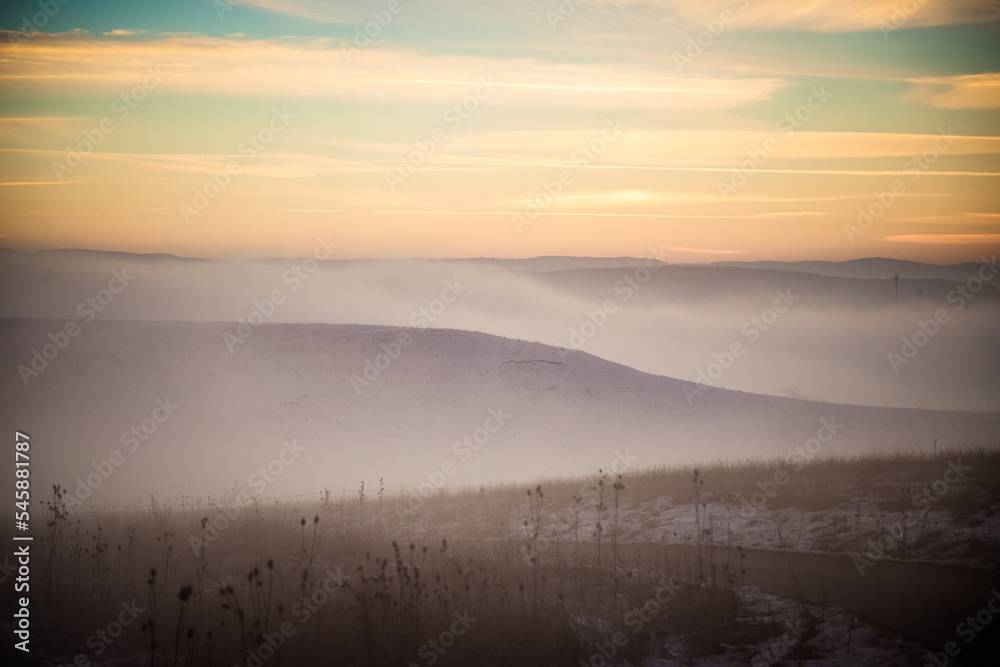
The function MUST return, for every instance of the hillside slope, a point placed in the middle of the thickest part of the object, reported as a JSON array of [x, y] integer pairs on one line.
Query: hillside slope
[[833, 345], [568, 413]]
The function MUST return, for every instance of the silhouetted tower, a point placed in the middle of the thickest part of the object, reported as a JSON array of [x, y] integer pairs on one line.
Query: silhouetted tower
[[895, 279]]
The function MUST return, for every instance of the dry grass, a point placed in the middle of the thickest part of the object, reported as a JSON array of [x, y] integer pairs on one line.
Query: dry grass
[[350, 587]]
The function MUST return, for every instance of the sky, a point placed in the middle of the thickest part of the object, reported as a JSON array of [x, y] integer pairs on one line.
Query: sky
[[720, 129]]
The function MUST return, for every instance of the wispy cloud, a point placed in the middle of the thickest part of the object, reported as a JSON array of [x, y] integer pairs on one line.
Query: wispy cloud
[[16, 183], [810, 15], [946, 239], [706, 251], [971, 91], [844, 15], [552, 90], [28, 129], [957, 219], [315, 10], [317, 69], [816, 15]]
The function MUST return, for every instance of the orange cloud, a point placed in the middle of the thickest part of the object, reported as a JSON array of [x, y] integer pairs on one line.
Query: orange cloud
[[947, 239], [59, 64]]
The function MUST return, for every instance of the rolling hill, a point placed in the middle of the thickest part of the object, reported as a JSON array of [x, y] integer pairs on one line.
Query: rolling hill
[[562, 413]]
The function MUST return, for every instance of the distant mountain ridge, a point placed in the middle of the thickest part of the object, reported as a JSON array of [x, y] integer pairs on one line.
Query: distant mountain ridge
[[869, 267], [667, 319]]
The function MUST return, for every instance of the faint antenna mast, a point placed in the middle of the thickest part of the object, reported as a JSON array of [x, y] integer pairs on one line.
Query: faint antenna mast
[[895, 279]]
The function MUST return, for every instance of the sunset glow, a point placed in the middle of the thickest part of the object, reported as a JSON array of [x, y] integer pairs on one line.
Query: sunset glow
[[744, 131]]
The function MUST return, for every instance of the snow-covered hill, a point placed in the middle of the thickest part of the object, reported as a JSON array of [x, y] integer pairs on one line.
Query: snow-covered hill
[[426, 414], [666, 319]]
